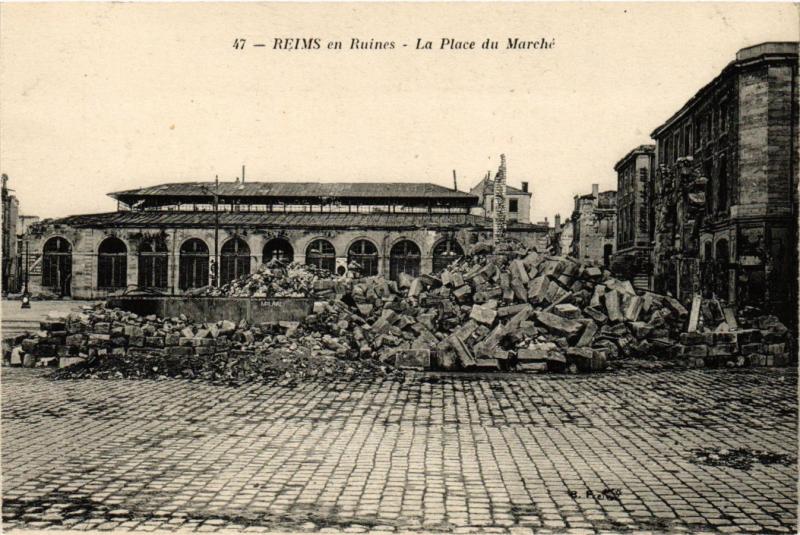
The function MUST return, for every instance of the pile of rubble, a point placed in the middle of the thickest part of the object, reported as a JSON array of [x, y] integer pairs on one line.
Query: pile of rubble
[[273, 279], [528, 312], [510, 310], [107, 343], [717, 336]]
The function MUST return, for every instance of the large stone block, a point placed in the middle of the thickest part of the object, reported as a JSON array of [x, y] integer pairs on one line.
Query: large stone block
[[559, 325]]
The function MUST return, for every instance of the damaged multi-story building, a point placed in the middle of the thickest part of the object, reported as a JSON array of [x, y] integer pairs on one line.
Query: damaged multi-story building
[[725, 190], [174, 237], [594, 222], [635, 216]]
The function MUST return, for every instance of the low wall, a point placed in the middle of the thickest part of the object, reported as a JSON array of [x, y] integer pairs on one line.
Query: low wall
[[208, 309]]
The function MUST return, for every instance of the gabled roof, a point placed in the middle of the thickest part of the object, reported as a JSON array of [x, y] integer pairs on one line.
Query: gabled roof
[[294, 190]]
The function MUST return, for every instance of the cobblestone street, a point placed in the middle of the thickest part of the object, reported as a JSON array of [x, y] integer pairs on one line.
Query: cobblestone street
[[510, 454]]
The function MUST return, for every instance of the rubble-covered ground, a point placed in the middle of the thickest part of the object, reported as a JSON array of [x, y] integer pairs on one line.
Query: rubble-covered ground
[[514, 310]]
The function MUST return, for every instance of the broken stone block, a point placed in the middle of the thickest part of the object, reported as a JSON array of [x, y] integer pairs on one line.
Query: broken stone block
[[537, 289], [675, 306], [692, 338], [518, 271], [750, 349], [559, 325], [416, 288], [596, 315], [612, 306], [65, 362], [418, 359], [639, 329], [537, 352], [586, 359], [532, 367], [365, 309], [462, 292], [588, 334], [566, 310], [464, 354], [483, 314], [487, 364], [593, 272], [633, 308]]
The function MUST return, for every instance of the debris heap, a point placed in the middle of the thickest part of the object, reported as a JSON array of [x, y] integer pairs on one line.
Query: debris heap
[[507, 309], [274, 279], [528, 312]]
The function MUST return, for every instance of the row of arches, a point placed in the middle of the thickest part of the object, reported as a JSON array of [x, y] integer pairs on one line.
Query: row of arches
[[235, 260]]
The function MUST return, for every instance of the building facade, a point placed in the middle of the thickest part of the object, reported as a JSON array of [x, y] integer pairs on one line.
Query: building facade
[[565, 238], [594, 222], [175, 237], [518, 201], [725, 196], [634, 216], [10, 206]]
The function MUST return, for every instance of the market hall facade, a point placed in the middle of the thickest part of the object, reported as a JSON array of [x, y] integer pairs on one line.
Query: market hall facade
[[168, 238]]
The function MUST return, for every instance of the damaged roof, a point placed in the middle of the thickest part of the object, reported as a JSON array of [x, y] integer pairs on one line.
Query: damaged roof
[[295, 190], [313, 220]]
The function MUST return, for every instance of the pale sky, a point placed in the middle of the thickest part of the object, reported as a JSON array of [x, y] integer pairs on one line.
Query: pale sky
[[96, 98]]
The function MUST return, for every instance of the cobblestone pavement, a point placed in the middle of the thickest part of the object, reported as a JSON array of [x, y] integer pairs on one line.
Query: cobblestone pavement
[[509, 454]]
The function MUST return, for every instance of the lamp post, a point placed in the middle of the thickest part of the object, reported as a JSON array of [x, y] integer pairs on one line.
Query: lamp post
[[26, 300], [215, 193]]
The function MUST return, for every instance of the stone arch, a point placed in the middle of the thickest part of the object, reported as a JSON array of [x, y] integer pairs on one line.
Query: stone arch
[[112, 264], [57, 265], [277, 248], [234, 260], [322, 254], [405, 256], [193, 264], [445, 252], [153, 262], [365, 253]]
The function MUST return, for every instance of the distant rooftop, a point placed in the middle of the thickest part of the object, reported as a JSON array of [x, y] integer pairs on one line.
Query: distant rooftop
[[641, 149]]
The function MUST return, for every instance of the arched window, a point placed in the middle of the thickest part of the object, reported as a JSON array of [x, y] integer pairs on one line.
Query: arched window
[[445, 253], [193, 264], [153, 261], [235, 260], [404, 258], [112, 264], [321, 253], [57, 265], [279, 249], [365, 254]]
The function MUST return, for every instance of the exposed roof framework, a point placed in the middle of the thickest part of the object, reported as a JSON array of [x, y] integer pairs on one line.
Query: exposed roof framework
[[170, 219], [295, 193]]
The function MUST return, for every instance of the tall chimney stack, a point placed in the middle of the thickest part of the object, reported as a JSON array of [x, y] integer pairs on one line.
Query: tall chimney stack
[[525, 187], [242, 173], [596, 190], [557, 220], [455, 181]]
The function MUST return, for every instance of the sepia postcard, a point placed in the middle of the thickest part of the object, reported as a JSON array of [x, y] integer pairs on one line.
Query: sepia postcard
[[413, 267]]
